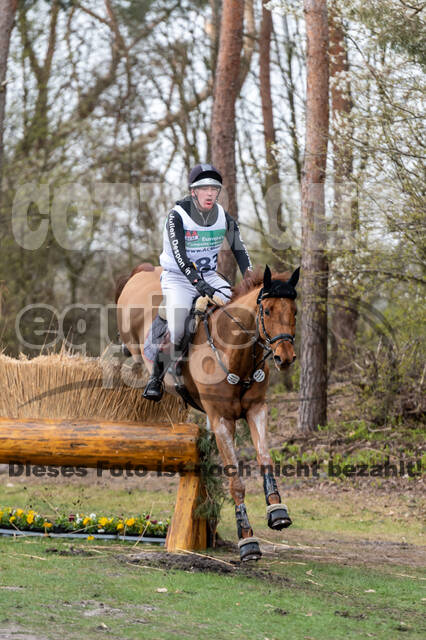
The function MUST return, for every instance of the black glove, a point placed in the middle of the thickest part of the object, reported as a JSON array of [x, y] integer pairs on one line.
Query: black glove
[[204, 289]]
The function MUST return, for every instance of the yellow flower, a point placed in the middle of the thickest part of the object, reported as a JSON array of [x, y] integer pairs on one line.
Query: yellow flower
[[130, 522], [12, 518], [86, 521], [120, 526], [30, 517], [90, 537], [47, 525], [103, 521], [19, 512]]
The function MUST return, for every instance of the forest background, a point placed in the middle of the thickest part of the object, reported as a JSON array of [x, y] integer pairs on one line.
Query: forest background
[[109, 103]]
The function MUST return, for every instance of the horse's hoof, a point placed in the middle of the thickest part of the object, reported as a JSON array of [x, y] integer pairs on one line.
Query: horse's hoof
[[249, 549], [278, 517]]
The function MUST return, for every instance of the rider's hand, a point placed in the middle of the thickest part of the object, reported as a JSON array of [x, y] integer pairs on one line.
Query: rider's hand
[[218, 301], [204, 289]]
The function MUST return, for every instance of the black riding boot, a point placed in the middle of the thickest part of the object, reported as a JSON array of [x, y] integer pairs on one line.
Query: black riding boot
[[154, 387]]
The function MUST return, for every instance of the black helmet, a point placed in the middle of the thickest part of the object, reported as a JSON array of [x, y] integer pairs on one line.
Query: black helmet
[[204, 175]]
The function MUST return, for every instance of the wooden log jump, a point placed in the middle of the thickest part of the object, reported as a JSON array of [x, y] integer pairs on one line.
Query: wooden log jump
[[108, 444]]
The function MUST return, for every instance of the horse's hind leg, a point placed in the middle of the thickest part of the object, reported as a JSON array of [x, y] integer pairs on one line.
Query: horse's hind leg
[[224, 431], [257, 418]]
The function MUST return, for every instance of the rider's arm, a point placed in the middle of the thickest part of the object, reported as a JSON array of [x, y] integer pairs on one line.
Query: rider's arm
[[176, 234], [237, 245]]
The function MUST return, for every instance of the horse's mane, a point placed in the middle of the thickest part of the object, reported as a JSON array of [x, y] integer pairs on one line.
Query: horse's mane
[[253, 280], [124, 279]]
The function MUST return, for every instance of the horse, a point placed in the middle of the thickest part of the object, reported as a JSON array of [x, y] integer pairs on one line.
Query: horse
[[226, 372]]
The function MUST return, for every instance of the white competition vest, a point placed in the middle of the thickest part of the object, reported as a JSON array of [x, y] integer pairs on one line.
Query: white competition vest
[[202, 244]]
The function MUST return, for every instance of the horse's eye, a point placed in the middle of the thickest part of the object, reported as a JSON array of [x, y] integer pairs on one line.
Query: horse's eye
[[267, 312]]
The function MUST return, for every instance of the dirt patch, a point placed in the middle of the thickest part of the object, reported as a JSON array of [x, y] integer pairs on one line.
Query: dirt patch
[[346, 551], [184, 562], [94, 609], [12, 632], [71, 551], [198, 563], [346, 614], [340, 551]]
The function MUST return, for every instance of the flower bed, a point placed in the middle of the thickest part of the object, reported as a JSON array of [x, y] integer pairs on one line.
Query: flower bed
[[20, 520]]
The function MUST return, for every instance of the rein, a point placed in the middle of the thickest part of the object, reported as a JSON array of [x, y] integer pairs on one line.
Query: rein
[[257, 375]]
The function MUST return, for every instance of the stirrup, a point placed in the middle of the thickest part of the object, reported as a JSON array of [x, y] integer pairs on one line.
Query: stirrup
[[125, 351]]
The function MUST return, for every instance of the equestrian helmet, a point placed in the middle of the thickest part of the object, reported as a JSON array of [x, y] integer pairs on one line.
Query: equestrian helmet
[[204, 175]]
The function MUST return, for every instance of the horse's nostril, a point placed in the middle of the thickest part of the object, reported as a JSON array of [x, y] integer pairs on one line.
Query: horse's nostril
[[294, 358]]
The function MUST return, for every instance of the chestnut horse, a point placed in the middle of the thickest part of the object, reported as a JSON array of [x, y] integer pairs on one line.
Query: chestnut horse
[[225, 370]]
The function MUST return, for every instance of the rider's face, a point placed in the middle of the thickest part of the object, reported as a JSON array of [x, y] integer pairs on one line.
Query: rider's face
[[207, 196]]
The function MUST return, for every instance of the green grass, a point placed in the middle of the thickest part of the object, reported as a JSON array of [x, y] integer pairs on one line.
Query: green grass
[[73, 596], [56, 594]]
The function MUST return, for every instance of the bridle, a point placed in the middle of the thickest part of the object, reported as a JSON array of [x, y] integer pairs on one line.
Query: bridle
[[280, 337], [265, 341]]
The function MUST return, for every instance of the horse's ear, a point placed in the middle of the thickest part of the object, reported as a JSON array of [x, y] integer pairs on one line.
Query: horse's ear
[[295, 277], [267, 279]]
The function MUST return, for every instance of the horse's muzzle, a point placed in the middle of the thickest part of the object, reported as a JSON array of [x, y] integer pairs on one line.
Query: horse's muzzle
[[282, 364]]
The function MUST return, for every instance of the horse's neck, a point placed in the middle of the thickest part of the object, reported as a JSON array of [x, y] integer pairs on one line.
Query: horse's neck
[[231, 336]]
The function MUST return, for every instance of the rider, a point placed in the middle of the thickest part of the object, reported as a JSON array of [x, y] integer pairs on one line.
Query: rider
[[194, 231]]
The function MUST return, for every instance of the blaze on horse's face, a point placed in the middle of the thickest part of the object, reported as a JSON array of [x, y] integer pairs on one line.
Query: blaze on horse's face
[[280, 316]]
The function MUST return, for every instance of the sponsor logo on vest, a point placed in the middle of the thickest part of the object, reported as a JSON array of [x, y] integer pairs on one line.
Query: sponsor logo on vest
[[191, 235]]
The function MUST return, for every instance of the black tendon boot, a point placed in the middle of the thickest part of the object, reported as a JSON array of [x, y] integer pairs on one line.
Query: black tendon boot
[[277, 514], [154, 387], [249, 547]]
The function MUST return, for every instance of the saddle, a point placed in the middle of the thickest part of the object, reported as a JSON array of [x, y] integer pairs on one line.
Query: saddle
[[158, 337]]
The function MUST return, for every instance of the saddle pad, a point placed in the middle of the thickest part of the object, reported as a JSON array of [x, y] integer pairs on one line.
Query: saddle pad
[[158, 335]]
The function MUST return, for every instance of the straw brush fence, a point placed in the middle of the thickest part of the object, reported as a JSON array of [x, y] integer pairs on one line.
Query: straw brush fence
[[62, 409]]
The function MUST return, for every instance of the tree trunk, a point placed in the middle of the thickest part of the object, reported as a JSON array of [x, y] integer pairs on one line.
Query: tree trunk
[[223, 115], [38, 129], [345, 310], [272, 175], [7, 19], [313, 378]]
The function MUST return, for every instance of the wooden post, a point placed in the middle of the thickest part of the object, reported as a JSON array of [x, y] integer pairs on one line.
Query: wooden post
[[90, 443], [187, 532]]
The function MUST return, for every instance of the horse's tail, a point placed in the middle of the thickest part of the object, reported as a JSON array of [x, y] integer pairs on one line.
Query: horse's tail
[[123, 280]]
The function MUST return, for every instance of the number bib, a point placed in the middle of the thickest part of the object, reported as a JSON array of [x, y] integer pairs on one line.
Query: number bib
[[202, 244]]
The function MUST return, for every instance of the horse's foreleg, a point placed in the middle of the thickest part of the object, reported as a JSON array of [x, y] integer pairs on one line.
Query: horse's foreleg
[[257, 418], [224, 431]]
